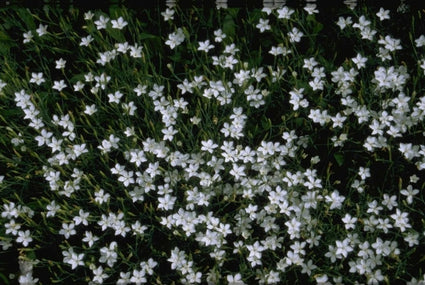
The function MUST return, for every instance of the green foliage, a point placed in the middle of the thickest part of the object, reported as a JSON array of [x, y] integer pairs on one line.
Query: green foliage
[[277, 147]]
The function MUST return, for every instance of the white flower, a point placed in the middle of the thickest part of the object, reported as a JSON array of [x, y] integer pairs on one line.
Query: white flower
[[205, 46], [295, 35], [88, 15], [364, 172], [99, 276], [59, 85], [42, 30], [119, 23], [311, 9], [2, 85], [344, 22], [68, 230], [24, 237], [60, 63], [420, 42], [138, 277], [284, 13], [343, 247], [263, 25], [136, 51], [168, 14], [90, 109], [166, 202], [349, 221], [219, 35], [28, 37], [90, 238], [383, 14], [37, 78], [72, 258], [175, 39], [86, 41], [101, 197], [208, 146], [360, 61], [101, 23], [401, 220], [78, 86]]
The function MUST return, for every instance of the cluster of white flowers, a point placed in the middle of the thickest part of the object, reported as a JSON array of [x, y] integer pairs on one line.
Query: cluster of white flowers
[[183, 162]]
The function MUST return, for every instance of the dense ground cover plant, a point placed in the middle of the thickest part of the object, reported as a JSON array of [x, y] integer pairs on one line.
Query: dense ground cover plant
[[228, 146]]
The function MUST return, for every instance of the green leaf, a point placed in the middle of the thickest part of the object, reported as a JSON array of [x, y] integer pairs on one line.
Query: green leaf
[[5, 280], [229, 26], [5, 43], [266, 123], [339, 157], [144, 36]]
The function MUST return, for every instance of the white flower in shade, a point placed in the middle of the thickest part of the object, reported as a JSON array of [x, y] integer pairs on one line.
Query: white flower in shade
[[81, 218], [263, 25], [284, 13], [335, 199], [52, 208], [122, 47], [72, 258], [311, 9], [138, 277], [115, 97], [140, 89], [235, 279], [409, 192], [24, 237], [101, 197], [68, 230], [37, 78], [42, 30], [208, 146], [295, 35], [420, 42], [343, 247], [59, 85], [109, 255], [401, 220], [78, 86], [359, 61], [168, 14], [85, 41], [349, 221], [60, 63], [90, 109], [136, 51], [205, 46], [28, 36], [28, 279], [99, 275], [88, 15], [119, 23], [279, 50], [102, 22], [124, 278], [166, 202], [219, 36], [344, 22], [175, 39], [383, 14], [2, 84], [89, 238]]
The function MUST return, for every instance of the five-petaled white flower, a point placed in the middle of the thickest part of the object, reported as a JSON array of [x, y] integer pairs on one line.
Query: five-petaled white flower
[[119, 23]]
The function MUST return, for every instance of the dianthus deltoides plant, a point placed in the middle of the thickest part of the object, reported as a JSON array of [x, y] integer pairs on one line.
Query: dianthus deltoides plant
[[228, 146]]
